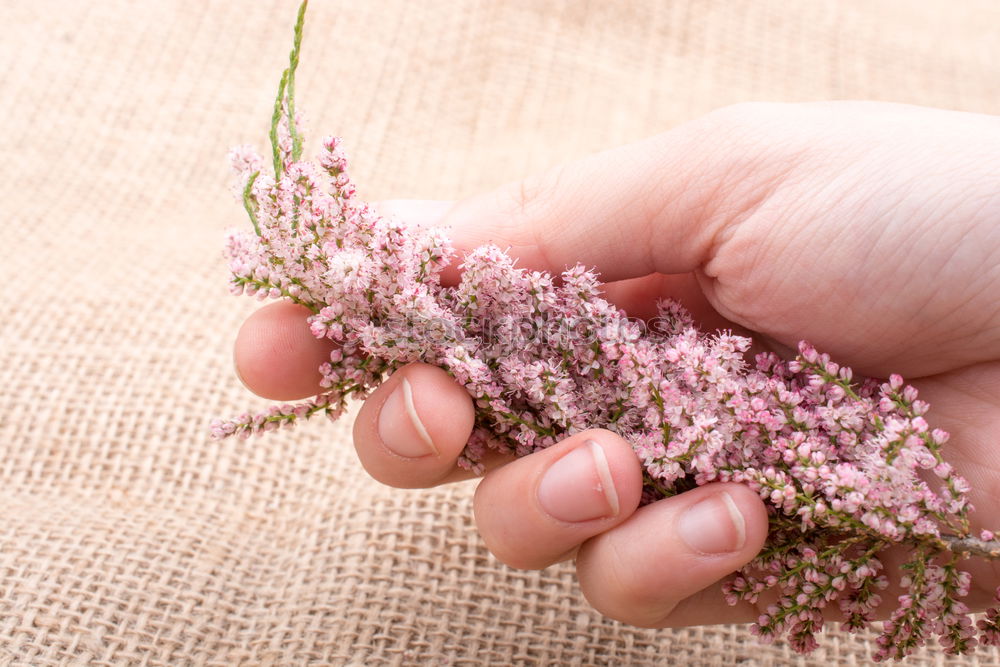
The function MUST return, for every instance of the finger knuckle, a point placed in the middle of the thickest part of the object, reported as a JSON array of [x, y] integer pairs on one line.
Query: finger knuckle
[[532, 198], [750, 131]]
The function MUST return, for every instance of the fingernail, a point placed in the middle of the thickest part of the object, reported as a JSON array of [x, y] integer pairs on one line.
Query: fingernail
[[421, 212], [714, 526], [400, 428], [579, 487]]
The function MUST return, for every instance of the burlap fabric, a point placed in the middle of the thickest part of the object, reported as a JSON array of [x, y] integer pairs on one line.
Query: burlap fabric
[[127, 536]]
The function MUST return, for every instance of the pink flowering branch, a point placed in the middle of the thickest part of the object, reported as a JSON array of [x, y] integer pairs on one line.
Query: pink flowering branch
[[847, 467]]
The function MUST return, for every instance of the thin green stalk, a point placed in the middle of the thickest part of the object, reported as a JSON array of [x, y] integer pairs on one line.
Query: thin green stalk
[[275, 119], [293, 63], [248, 201], [284, 103]]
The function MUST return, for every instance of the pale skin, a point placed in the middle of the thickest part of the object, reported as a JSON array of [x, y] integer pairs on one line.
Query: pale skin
[[871, 230]]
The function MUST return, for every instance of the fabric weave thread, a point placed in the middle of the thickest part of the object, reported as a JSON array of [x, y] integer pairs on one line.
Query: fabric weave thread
[[127, 536]]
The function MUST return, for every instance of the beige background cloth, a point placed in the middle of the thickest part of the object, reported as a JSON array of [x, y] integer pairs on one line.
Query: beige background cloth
[[126, 535]]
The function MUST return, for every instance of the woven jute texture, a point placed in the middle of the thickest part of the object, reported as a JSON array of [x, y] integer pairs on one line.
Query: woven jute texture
[[127, 536]]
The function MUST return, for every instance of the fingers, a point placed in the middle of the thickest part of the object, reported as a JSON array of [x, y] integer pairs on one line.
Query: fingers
[[411, 430], [275, 354], [606, 210], [538, 509], [656, 568], [653, 567], [657, 205], [636, 566]]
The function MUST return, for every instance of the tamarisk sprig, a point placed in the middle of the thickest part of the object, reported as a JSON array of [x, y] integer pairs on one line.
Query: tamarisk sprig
[[847, 467]]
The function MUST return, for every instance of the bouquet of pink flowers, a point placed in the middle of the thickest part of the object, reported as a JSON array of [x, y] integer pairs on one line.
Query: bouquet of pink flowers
[[847, 466]]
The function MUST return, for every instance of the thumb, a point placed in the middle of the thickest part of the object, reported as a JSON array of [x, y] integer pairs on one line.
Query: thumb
[[654, 206]]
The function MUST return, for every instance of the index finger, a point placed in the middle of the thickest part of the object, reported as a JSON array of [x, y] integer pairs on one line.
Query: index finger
[[654, 206]]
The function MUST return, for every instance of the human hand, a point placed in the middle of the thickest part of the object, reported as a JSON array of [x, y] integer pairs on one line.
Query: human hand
[[868, 229]]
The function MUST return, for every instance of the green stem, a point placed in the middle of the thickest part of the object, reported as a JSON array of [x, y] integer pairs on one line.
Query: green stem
[[293, 63], [249, 203], [286, 98], [275, 119]]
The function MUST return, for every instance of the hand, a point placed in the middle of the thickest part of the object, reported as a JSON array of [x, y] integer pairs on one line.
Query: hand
[[870, 230]]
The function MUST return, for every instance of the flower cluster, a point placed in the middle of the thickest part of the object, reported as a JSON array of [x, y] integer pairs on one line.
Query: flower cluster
[[847, 467]]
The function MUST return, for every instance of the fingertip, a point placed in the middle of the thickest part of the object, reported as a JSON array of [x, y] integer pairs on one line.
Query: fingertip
[[644, 571], [622, 466], [439, 408], [729, 522], [537, 510], [597, 463], [275, 354], [411, 430], [751, 509]]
